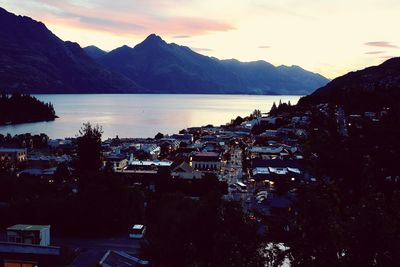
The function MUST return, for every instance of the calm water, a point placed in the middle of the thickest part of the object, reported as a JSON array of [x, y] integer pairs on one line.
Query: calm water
[[143, 115]]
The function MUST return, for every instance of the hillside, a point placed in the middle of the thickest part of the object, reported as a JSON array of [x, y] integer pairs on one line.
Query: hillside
[[34, 60], [368, 89]]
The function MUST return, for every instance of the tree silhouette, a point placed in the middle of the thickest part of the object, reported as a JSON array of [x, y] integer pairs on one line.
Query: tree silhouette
[[89, 148]]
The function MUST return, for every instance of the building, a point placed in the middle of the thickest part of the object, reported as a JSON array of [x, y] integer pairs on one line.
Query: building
[[26, 255], [266, 152], [29, 234], [121, 259], [205, 161], [187, 138], [184, 171], [29, 246], [13, 155], [118, 162], [270, 170]]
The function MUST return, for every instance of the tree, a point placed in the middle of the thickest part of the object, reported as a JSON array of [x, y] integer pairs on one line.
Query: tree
[[89, 148], [273, 109], [159, 136], [256, 113], [205, 232], [62, 173], [239, 120]]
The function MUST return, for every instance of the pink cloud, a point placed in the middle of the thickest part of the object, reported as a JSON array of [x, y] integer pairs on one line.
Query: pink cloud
[[123, 17], [374, 52], [381, 44]]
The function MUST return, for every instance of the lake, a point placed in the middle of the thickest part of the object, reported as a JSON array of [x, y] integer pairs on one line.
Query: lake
[[143, 115]]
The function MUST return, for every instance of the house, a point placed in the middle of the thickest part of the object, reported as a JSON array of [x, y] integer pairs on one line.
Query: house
[[29, 234], [270, 170], [153, 149], [266, 152], [268, 120], [28, 255], [147, 166], [184, 171], [13, 155], [118, 162], [205, 161], [187, 138], [114, 258], [46, 161], [270, 133]]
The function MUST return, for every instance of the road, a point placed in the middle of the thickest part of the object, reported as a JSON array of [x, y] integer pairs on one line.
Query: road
[[92, 250]]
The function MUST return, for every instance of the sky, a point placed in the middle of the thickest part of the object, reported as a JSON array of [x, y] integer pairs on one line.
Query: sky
[[330, 37]]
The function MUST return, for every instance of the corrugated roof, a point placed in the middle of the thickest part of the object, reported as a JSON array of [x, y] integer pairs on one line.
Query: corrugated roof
[[27, 227]]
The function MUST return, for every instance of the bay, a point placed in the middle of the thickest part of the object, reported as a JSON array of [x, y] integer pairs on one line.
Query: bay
[[143, 115]]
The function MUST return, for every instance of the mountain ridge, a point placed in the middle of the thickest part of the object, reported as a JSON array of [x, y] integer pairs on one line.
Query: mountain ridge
[[35, 60], [371, 88], [188, 69]]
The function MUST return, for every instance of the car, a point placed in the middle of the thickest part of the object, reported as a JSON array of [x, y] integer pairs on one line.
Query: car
[[138, 231], [233, 187]]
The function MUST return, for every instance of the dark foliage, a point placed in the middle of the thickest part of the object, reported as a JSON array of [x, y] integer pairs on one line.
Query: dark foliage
[[89, 148], [206, 232], [350, 217], [20, 108], [370, 89], [34, 60]]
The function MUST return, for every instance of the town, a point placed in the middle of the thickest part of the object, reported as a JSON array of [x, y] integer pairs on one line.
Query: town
[[258, 162]]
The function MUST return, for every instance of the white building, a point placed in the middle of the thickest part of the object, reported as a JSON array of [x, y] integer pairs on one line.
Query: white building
[[29, 234]]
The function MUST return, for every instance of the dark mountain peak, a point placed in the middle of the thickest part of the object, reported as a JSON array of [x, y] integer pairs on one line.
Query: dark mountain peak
[[33, 59], [121, 49], [94, 52], [153, 38], [392, 62], [38, 61], [364, 90], [152, 41], [93, 47], [3, 11]]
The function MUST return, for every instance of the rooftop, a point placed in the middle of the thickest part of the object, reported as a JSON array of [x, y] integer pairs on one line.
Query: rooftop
[[120, 259], [27, 227], [6, 247], [151, 162], [12, 150], [138, 226]]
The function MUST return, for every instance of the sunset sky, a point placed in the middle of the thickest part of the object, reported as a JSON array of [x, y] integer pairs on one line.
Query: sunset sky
[[328, 37]]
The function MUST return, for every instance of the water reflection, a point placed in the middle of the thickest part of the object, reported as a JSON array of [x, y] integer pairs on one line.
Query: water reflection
[[143, 115]]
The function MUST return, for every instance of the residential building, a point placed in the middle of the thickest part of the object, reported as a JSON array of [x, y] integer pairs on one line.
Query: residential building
[[184, 171], [28, 255], [13, 155], [29, 234], [205, 161]]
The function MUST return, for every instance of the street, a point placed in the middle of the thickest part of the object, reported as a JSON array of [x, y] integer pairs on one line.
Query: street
[[92, 250]]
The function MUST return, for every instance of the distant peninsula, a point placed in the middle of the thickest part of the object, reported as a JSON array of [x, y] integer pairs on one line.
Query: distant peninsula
[[33, 60], [21, 108]]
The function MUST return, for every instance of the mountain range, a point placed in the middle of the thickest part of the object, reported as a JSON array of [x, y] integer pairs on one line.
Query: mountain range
[[34, 60], [369, 89]]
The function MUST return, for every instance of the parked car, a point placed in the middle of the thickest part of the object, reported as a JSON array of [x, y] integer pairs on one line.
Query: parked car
[[138, 231]]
